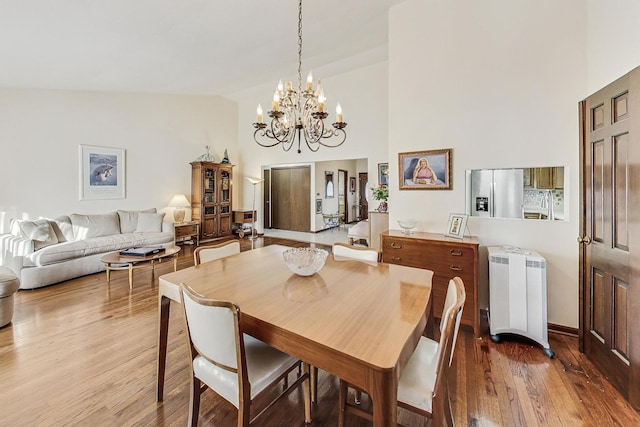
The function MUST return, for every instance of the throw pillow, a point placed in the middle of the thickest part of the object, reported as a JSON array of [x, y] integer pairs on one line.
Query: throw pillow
[[149, 222], [63, 228], [129, 220], [86, 226], [40, 231]]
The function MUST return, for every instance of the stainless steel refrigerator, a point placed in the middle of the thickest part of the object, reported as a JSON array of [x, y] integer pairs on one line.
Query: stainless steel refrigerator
[[497, 193]]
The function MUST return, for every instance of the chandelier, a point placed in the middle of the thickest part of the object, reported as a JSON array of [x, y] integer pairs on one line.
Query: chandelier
[[299, 113]]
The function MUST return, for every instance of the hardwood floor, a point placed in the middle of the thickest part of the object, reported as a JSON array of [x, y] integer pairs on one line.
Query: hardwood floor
[[84, 353]]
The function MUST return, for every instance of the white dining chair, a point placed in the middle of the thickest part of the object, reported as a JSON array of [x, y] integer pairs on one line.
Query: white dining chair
[[214, 252], [423, 386], [236, 366], [343, 252]]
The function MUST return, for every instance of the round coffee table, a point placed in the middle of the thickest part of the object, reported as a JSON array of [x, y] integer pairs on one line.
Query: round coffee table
[[114, 261]]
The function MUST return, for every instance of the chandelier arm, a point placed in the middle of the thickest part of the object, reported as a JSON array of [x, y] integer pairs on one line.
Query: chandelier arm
[[264, 134], [312, 148], [334, 133]]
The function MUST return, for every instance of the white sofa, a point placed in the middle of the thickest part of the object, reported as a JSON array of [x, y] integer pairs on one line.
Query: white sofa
[[44, 251]]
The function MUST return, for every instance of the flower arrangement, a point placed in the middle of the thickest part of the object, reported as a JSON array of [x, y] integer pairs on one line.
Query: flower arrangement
[[381, 192]]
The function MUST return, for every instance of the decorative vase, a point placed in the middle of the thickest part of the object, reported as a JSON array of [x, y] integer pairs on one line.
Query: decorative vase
[[382, 207]]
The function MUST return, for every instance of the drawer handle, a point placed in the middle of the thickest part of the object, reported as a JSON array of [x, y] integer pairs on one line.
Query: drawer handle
[[395, 258], [455, 252], [455, 268], [395, 245]]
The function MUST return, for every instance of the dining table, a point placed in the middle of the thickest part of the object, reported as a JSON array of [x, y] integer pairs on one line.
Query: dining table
[[357, 321]]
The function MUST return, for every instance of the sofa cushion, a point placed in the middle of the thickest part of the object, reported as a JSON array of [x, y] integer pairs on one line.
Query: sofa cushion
[[129, 220], [40, 231], [87, 226], [63, 228], [149, 222], [94, 245]]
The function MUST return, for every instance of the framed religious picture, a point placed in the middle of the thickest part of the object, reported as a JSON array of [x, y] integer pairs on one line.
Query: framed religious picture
[[383, 173], [101, 173], [352, 184], [425, 170], [318, 206], [457, 225]]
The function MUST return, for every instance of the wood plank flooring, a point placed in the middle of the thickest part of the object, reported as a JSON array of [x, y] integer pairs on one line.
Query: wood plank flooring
[[84, 353]]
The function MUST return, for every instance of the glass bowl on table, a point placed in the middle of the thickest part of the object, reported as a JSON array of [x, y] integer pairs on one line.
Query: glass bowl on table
[[407, 225], [305, 261]]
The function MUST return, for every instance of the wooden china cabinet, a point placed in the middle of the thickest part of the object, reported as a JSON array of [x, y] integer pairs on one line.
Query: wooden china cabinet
[[211, 199]]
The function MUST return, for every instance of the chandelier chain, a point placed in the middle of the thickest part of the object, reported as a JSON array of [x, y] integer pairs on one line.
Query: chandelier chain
[[300, 46]]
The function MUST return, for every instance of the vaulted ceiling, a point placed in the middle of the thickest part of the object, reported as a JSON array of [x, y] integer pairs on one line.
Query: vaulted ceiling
[[182, 46]]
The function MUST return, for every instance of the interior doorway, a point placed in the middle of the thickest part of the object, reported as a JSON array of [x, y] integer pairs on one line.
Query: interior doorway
[[363, 204], [342, 195]]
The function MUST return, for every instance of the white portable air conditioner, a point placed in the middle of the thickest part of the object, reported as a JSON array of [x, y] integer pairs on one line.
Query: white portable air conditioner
[[518, 295]]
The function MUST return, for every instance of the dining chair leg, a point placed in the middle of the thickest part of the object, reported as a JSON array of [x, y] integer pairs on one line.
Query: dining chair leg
[[244, 414], [314, 384], [196, 388], [342, 402], [306, 387]]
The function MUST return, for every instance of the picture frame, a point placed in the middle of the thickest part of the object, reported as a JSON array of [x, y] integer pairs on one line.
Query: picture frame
[[457, 225], [383, 173], [102, 172], [352, 184], [425, 170], [318, 206]]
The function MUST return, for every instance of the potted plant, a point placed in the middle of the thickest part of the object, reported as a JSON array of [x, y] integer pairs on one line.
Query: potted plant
[[381, 193]]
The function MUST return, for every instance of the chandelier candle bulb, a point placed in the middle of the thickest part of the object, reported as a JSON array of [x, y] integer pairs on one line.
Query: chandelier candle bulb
[[275, 104], [259, 113], [289, 85], [338, 113], [280, 86], [310, 81]]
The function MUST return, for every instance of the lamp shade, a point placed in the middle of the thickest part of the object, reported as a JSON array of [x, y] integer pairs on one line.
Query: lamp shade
[[254, 181], [179, 201]]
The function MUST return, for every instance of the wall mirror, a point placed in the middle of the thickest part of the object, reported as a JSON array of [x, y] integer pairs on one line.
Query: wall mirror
[[526, 193], [328, 184]]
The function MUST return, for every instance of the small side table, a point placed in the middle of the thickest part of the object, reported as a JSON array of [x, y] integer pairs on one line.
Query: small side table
[[188, 229]]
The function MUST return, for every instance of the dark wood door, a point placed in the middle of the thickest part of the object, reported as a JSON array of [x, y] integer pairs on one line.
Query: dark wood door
[[290, 198], [610, 290], [267, 199], [363, 179]]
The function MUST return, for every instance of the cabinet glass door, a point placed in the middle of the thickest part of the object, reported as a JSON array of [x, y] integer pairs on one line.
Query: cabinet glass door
[[209, 185]]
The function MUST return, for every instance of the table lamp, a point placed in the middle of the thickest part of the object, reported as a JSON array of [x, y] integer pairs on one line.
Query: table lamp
[[179, 202]]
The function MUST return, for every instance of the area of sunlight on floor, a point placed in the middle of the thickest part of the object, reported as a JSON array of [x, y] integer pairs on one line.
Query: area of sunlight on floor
[[327, 237]]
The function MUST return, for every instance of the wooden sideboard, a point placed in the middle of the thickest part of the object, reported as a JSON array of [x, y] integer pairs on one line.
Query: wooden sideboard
[[447, 258]]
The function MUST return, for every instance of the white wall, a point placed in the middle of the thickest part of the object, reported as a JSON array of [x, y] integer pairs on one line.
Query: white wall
[[363, 96], [40, 131], [498, 82], [612, 35]]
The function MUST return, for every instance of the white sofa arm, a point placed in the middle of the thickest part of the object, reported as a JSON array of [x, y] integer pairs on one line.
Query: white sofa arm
[[168, 227], [13, 249]]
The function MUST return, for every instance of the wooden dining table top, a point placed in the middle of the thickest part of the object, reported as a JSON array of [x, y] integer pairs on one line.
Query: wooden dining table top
[[355, 311]]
